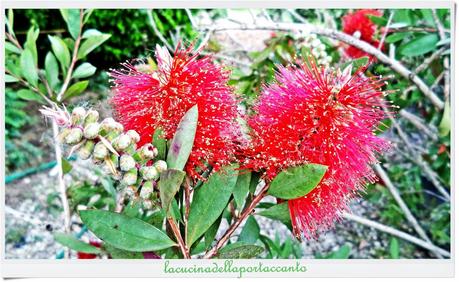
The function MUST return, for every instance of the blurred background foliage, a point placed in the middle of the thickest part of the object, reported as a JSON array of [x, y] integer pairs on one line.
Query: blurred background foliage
[[413, 40]]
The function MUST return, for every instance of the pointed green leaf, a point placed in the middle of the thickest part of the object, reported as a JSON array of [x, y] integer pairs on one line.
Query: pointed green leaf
[[241, 189], [394, 248], [61, 51], [209, 201], [169, 184], [66, 166], [445, 123], [278, 212], [76, 89], [9, 78], [51, 70], [210, 234], [91, 43], [250, 232], [72, 19], [75, 244], [420, 45], [160, 143], [239, 250], [183, 140], [121, 254], [29, 95], [296, 182], [28, 68], [12, 48], [31, 43], [84, 70], [126, 233]]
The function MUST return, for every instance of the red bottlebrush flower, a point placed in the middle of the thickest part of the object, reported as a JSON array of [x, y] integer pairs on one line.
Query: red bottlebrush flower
[[81, 255], [359, 25], [145, 101], [323, 116]]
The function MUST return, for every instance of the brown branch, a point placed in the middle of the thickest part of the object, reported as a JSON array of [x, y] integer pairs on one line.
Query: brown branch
[[179, 238], [248, 211]]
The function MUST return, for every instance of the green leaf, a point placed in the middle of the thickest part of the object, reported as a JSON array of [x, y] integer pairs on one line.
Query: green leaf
[[51, 70], [75, 244], [241, 189], [126, 233], [9, 78], [209, 201], [61, 51], [402, 16], [341, 253], [12, 48], [76, 89], [395, 37], [254, 182], [30, 44], [445, 124], [296, 182], [427, 16], [122, 254], [210, 234], [183, 140], [160, 143], [84, 70], [169, 184], [278, 212], [72, 19], [239, 250], [66, 166], [91, 43], [29, 95], [420, 45], [394, 248], [250, 232], [28, 68], [378, 20]]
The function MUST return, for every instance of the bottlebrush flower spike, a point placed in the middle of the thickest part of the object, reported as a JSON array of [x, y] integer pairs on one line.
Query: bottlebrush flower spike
[[324, 116], [145, 101], [358, 24]]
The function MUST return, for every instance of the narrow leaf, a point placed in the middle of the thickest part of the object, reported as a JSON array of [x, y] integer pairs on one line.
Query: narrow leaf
[[51, 70], [169, 184], [9, 78], [12, 48], [72, 19], [31, 43], [183, 140], [241, 189], [296, 182], [126, 233], [122, 254], [61, 51], [278, 212], [394, 248], [29, 70], [209, 201], [239, 250], [210, 234], [75, 244], [29, 95], [250, 232], [445, 123], [76, 89], [419, 46], [66, 166], [91, 43], [84, 70]]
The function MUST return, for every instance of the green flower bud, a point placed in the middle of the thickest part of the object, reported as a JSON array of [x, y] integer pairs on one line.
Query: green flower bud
[[149, 173], [147, 204], [91, 117], [134, 135], [130, 177], [147, 190], [74, 136], [160, 166], [63, 134], [127, 162], [91, 130], [100, 151], [148, 152], [118, 127], [78, 115], [122, 142], [85, 151]]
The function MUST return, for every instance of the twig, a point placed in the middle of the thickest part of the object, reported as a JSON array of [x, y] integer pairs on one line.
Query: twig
[[74, 60], [383, 38], [429, 60], [177, 234], [156, 31], [398, 233], [34, 89], [408, 215], [419, 123], [348, 39], [248, 211]]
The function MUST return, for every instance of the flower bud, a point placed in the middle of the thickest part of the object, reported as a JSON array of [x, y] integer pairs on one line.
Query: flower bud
[[147, 204], [149, 173], [118, 127], [130, 191], [85, 151], [100, 151], [147, 190], [91, 117], [134, 135], [63, 134], [91, 130], [78, 115], [130, 177], [160, 166], [148, 152], [74, 136], [127, 162], [122, 142]]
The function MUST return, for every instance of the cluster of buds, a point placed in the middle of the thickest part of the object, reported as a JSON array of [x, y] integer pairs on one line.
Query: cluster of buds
[[317, 49], [137, 169]]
